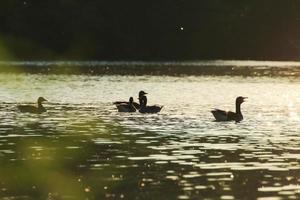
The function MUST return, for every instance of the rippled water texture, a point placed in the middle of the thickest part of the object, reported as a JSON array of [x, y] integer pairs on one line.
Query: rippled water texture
[[83, 149]]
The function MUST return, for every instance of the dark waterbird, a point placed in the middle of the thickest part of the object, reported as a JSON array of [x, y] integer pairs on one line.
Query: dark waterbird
[[221, 115], [135, 104], [127, 106], [141, 95], [34, 109], [147, 109]]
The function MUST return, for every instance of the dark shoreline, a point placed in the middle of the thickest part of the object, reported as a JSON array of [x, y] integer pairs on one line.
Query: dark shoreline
[[214, 68]]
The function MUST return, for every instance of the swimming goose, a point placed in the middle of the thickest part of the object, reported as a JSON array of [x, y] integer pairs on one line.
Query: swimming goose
[[127, 106], [33, 109], [147, 109], [237, 116]]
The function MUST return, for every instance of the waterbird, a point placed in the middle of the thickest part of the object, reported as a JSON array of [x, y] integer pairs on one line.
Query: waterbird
[[34, 109], [221, 115], [135, 104], [127, 106], [147, 109]]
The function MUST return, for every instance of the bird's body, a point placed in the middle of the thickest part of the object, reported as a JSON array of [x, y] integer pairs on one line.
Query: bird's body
[[126, 106], [148, 109], [151, 109], [135, 104], [221, 115], [33, 109]]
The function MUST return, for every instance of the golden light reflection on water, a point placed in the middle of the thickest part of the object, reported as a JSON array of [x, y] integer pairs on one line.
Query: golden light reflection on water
[[83, 149]]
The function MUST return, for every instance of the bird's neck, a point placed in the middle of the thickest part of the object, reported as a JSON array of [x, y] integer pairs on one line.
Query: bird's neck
[[143, 101], [238, 108], [40, 105]]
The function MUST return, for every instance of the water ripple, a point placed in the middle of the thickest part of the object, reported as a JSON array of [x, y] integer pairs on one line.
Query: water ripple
[[180, 150]]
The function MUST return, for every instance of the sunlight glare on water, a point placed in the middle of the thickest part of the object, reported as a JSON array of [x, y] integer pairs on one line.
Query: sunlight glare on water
[[119, 155]]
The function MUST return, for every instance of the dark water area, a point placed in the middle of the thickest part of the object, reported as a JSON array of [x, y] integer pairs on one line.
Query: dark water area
[[213, 67], [82, 148]]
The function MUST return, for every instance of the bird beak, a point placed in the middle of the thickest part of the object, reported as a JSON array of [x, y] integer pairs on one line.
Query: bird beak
[[245, 98]]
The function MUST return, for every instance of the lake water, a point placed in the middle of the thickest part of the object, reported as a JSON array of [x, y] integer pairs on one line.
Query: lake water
[[82, 148]]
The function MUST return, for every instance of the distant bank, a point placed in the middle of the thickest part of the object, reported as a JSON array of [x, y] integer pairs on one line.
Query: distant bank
[[173, 68]]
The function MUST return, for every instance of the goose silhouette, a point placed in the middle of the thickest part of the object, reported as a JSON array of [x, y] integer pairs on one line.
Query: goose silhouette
[[221, 115]]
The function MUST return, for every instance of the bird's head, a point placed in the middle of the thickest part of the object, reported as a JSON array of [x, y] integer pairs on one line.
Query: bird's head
[[41, 99], [142, 93], [131, 100], [240, 100]]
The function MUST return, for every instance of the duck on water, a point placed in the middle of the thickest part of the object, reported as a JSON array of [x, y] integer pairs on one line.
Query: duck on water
[[221, 115], [129, 106], [34, 109], [135, 104], [126, 106], [143, 103]]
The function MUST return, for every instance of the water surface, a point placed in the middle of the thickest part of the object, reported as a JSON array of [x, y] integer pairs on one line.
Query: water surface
[[83, 149]]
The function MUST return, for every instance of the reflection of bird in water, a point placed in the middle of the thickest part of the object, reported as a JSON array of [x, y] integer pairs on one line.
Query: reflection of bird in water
[[127, 106], [147, 109], [237, 116], [33, 109]]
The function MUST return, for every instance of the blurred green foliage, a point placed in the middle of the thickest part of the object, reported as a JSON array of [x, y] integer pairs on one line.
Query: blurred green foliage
[[53, 165]]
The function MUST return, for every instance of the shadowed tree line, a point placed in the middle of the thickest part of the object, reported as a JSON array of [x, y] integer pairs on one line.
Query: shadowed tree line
[[149, 30]]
